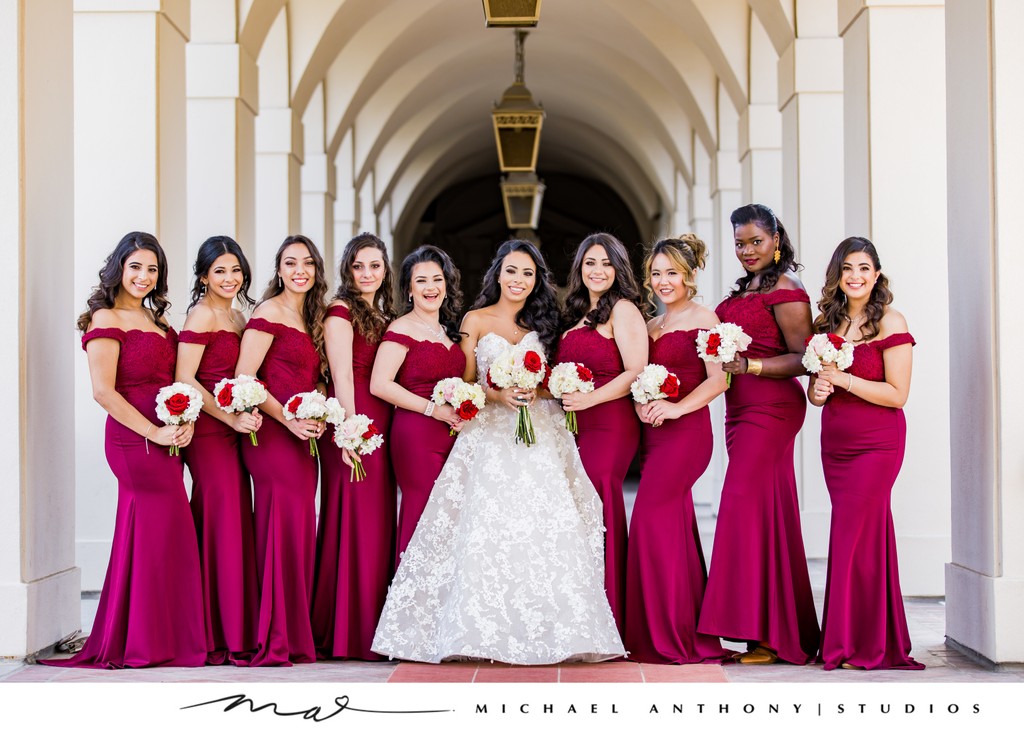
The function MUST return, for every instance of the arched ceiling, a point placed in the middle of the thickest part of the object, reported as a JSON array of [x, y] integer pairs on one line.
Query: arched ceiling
[[629, 87]]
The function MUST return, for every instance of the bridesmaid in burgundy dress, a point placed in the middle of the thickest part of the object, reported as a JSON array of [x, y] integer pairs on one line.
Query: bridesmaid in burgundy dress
[[863, 435], [758, 587], [150, 612], [356, 536], [606, 334], [665, 572], [420, 349], [283, 345], [221, 496]]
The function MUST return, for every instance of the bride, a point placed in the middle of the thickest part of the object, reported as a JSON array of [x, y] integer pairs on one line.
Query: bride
[[507, 561]]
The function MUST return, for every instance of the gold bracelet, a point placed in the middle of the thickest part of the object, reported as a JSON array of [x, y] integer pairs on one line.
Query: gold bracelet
[[754, 366]]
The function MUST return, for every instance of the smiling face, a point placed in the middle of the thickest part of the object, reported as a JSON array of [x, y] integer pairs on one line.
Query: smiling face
[[368, 269], [297, 269], [668, 280], [597, 271], [858, 276], [755, 247], [140, 274], [224, 277], [517, 276], [427, 286]]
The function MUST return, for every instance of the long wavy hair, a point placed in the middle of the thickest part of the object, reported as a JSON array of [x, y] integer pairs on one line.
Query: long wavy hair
[[112, 272], [540, 310], [833, 306], [314, 307], [766, 220], [687, 253], [209, 251], [367, 318], [452, 304], [577, 300]]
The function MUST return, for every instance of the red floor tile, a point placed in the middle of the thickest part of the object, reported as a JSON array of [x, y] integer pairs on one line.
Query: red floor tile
[[601, 673], [494, 673], [683, 673], [418, 672]]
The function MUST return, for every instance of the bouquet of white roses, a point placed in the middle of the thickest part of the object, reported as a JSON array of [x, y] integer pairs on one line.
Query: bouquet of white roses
[[313, 406], [570, 376], [721, 344], [524, 368], [176, 404], [654, 382], [827, 348], [467, 399], [244, 393], [359, 435]]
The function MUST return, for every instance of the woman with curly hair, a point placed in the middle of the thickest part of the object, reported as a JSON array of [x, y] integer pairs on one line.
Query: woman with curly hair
[[506, 563], [283, 344], [758, 587], [356, 536], [863, 436], [605, 331], [150, 612], [417, 351], [221, 494]]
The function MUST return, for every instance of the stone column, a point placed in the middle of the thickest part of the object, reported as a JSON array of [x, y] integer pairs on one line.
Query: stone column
[[129, 157], [895, 169], [760, 124], [317, 180], [345, 198], [39, 583], [985, 580]]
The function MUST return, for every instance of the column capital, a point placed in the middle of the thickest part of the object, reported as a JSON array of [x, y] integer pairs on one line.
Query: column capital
[[278, 130], [810, 65], [760, 127], [221, 71], [726, 173], [318, 175], [850, 9], [178, 12]]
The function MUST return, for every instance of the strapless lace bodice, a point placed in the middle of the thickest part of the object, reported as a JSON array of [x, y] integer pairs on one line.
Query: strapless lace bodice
[[492, 345]]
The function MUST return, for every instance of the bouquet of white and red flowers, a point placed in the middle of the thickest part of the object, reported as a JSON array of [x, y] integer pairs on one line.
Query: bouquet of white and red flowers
[[313, 406], [359, 435], [176, 404], [241, 394], [467, 399], [827, 348], [721, 344], [654, 382], [524, 368], [570, 376]]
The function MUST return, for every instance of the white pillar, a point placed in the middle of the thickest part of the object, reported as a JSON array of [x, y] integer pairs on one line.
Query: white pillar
[[811, 100], [129, 120], [222, 103], [345, 198], [368, 206], [760, 124], [39, 583], [985, 580], [895, 168], [318, 180]]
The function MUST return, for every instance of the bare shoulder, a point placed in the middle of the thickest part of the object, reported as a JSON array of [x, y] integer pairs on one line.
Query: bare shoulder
[[402, 325], [269, 310], [624, 309], [105, 318], [200, 319], [789, 281], [473, 321], [704, 317], [892, 322]]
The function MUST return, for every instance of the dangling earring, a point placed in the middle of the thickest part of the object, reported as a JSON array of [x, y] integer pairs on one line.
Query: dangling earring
[[778, 255], [280, 282]]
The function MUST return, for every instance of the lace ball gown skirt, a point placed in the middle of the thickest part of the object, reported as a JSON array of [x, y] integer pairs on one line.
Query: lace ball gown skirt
[[666, 574], [864, 622], [222, 511], [284, 481], [759, 589]]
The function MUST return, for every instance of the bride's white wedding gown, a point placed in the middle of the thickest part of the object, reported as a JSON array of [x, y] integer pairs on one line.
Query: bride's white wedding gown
[[507, 561]]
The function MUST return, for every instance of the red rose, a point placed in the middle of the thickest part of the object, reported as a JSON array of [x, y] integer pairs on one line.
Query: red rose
[[294, 405], [532, 361], [807, 341], [584, 374], [547, 376], [670, 386], [467, 410], [490, 382], [370, 432], [224, 397], [836, 341], [262, 384], [176, 404], [714, 341]]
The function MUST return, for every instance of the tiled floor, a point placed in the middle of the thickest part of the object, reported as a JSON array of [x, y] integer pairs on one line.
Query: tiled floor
[[926, 617]]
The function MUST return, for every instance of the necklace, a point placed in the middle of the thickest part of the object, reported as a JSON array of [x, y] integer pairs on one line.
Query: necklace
[[439, 333], [664, 318]]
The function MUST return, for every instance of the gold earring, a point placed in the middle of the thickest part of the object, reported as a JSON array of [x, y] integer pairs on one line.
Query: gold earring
[[778, 255]]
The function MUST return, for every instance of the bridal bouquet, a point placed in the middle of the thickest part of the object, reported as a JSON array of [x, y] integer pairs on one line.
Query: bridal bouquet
[[241, 394], [313, 406], [569, 377], [467, 399], [655, 382], [176, 404], [721, 344], [524, 368], [359, 435], [827, 348]]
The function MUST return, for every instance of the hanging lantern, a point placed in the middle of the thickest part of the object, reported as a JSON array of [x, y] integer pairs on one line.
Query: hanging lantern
[[504, 13], [517, 121], [522, 194]]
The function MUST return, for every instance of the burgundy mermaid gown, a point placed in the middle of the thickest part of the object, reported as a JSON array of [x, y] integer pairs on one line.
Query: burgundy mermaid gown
[[284, 478], [608, 438], [419, 444], [356, 537], [665, 571], [150, 612], [758, 587], [862, 446], [222, 510]]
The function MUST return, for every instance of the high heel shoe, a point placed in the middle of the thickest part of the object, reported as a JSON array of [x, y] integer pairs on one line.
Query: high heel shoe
[[759, 655]]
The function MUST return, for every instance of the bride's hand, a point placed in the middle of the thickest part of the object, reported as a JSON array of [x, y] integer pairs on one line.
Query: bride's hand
[[516, 397]]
